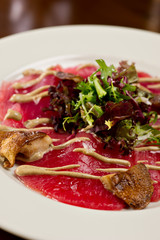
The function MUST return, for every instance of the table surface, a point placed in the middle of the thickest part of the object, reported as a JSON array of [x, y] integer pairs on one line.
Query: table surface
[[21, 15]]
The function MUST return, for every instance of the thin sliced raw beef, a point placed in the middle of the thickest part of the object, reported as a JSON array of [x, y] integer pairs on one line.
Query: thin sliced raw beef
[[80, 192]]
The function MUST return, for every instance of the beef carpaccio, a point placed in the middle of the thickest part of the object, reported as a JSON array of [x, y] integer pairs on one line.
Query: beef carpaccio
[[68, 129]]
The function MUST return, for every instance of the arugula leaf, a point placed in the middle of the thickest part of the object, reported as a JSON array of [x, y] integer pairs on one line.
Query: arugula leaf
[[94, 109], [106, 71], [88, 90], [114, 91], [84, 113], [84, 87], [129, 87], [97, 111], [99, 89], [115, 95], [153, 119], [70, 120], [76, 105]]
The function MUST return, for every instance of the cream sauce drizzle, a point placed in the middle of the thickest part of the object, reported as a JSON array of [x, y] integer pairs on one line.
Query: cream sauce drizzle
[[47, 169], [142, 161], [153, 86], [40, 154], [26, 170], [142, 87], [51, 68], [66, 144], [12, 114], [102, 158], [9, 129], [35, 122], [35, 95], [156, 126], [31, 71], [112, 169], [152, 167], [86, 128], [53, 169], [148, 148], [86, 65], [154, 181], [149, 79], [55, 139], [19, 85]]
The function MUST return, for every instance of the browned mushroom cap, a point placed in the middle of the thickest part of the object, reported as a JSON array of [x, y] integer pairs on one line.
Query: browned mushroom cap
[[69, 76], [13, 143], [133, 186]]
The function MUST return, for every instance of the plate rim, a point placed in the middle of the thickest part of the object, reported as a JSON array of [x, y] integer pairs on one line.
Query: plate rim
[[79, 26], [36, 196]]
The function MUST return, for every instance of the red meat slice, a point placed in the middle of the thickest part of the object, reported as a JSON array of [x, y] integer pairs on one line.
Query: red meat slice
[[86, 193]]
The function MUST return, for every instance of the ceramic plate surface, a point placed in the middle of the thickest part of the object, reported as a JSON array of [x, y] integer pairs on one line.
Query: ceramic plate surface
[[31, 215]]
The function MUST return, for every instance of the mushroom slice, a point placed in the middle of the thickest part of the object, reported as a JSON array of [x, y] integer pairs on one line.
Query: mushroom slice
[[133, 186], [25, 146]]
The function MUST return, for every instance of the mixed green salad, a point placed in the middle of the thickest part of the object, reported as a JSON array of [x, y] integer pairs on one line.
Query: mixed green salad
[[109, 104]]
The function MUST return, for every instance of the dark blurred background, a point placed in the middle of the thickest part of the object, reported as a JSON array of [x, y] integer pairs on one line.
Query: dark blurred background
[[21, 15]]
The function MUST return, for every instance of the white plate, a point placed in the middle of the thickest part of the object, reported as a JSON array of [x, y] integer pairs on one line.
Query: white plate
[[29, 214]]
